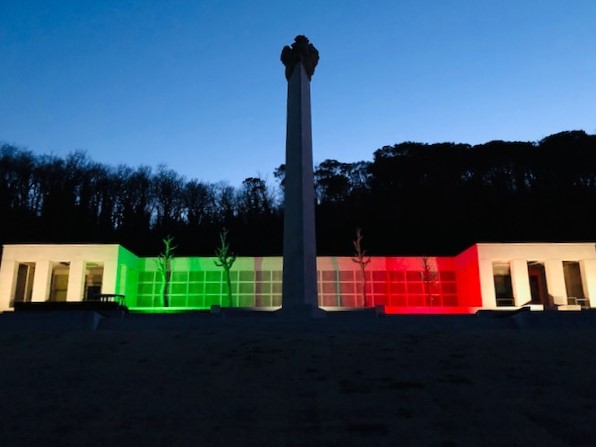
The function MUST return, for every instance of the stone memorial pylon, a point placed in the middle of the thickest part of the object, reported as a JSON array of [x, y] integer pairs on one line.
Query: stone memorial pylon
[[299, 245]]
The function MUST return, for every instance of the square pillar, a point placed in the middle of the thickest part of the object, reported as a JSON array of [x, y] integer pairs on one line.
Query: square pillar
[[8, 283], [42, 281], [555, 281], [76, 281], [487, 284], [588, 272], [520, 281], [110, 275]]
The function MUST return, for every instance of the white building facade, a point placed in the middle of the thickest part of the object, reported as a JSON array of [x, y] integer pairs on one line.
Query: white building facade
[[486, 276], [39, 273]]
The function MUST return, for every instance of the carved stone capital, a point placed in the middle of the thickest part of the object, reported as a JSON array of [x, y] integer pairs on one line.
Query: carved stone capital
[[300, 51]]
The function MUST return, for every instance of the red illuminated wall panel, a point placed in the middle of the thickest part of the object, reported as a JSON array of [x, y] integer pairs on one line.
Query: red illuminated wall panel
[[396, 283]]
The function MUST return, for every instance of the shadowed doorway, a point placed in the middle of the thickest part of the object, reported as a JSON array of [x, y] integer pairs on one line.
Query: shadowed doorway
[[59, 283], [538, 287], [24, 286]]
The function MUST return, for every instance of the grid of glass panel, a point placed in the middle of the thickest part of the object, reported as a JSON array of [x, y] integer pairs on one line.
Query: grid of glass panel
[[203, 289], [336, 288], [392, 288]]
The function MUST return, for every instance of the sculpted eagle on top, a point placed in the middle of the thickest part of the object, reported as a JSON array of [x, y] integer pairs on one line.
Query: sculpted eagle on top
[[300, 51]]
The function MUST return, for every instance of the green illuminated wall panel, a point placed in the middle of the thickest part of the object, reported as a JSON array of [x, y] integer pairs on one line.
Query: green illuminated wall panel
[[197, 283]]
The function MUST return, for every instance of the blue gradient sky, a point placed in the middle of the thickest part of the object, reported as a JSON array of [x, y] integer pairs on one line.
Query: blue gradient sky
[[199, 86]]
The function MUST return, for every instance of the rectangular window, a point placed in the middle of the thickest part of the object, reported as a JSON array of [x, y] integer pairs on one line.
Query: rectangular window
[[197, 276], [246, 287], [247, 275], [328, 287], [346, 275], [414, 275], [396, 276], [503, 284], [397, 300], [449, 288], [244, 300], [329, 275], [146, 276], [213, 276], [447, 276], [263, 275], [178, 289], [399, 288], [212, 288], [179, 276], [276, 300], [178, 300], [145, 289], [415, 288], [379, 275], [263, 287]]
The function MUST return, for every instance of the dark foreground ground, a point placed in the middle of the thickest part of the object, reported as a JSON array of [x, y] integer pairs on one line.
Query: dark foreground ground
[[298, 384]]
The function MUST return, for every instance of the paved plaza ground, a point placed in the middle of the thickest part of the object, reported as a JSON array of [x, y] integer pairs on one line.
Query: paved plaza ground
[[319, 383]]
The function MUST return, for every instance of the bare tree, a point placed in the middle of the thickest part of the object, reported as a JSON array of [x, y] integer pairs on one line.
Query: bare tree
[[362, 260], [225, 259], [164, 268]]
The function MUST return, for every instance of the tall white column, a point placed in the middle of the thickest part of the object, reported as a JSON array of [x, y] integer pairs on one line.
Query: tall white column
[[487, 284], [42, 281], [110, 275], [76, 281], [299, 249], [588, 272], [555, 281], [8, 282], [520, 280]]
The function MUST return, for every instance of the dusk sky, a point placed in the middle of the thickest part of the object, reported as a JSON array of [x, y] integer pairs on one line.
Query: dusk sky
[[198, 85]]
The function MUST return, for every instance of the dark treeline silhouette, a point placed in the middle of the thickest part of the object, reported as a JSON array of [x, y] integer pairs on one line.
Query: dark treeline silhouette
[[47, 199], [412, 199]]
